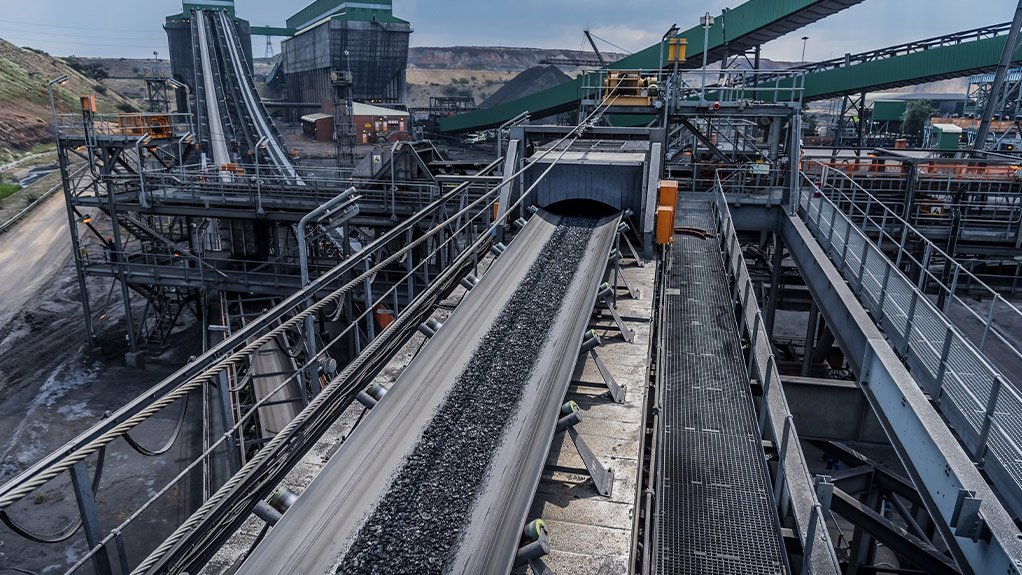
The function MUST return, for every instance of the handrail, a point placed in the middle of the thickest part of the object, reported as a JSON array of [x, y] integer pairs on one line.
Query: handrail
[[967, 388], [958, 273], [792, 482]]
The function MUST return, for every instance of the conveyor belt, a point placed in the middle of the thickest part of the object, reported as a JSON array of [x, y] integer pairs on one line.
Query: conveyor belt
[[714, 512], [440, 475]]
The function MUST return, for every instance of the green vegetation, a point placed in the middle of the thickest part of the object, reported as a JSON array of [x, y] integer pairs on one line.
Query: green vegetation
[[94, 70], [42, 148], [8, 189], [917, 113]]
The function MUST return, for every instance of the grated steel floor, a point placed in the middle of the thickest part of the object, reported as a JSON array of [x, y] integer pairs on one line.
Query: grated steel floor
[[714, 512]]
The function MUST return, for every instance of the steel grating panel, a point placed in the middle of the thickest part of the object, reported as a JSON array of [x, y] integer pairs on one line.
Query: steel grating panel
[[714, 512]]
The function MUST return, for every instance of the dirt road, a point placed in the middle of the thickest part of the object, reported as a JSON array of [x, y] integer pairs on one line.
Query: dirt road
[[32, 253]]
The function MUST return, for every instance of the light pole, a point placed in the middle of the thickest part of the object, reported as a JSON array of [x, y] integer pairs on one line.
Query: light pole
[[188, 99], [707, 23], [805, 39], [53, 108]]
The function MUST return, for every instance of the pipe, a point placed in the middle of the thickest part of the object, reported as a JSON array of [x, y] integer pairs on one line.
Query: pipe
[[303, 262]]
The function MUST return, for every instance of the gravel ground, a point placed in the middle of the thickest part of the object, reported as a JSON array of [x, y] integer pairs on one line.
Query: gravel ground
[[410, 530]]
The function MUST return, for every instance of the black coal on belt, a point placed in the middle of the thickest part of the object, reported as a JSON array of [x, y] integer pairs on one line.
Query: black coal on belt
[[408, 531]]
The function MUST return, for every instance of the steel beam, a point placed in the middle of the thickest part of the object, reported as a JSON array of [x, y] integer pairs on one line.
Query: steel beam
[[831, 409], [935, 461], [901, 541]]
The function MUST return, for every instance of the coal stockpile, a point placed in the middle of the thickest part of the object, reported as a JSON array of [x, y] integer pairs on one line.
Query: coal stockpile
[[413, 528]]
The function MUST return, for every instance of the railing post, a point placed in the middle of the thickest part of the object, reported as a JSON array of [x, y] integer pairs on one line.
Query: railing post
[[908, 322], [830, 232], [924, 269], [990, 320], [951, 290], [883, 229], [753, 337], [745, 322], [988, 419], [901, 246], [862, 265], [782, 456], [942, 369], [768, 380], [807, 562], [883, 292], [844, 247]]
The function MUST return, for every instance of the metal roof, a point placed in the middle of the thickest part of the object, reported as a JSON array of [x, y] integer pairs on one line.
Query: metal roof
[[361, 109]]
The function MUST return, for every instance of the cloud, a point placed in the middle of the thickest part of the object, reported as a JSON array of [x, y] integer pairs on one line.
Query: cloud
[[137, 29]]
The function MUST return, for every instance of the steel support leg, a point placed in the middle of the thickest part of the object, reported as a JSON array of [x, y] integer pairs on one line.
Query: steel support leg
[[775, 285], [227, 420], [807, 357], [90, 517], [603, 478], [617, 393]]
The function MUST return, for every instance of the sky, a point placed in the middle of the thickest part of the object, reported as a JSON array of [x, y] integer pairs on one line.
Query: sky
[[133, 28]]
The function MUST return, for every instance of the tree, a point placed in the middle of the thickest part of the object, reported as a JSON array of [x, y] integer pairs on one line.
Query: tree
[[917, 113]]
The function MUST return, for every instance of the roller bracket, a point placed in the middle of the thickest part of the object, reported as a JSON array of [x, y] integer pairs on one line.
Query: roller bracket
[[535, 544], [371, 395], [470, 281], [430, 328], [282, 499], [497, 248], [589, 344], [622, 230], [605, 296], [603, 478], [619, 274]]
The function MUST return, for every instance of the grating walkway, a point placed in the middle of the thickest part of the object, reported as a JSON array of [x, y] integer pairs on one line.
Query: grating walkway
[[714, 513]]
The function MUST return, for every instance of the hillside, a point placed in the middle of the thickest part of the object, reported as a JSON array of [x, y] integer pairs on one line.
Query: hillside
[[24, 106]]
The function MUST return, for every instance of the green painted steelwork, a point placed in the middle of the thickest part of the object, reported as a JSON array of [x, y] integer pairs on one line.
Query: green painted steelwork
[[753, 23], [361, 10], [889, 110], [938, 63], [272, 31], [227, 5]]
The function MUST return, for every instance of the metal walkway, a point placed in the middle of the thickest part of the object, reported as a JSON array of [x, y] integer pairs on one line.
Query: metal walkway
[[715, 512]]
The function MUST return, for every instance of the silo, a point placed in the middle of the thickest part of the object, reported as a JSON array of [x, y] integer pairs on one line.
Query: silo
[[364, 38]]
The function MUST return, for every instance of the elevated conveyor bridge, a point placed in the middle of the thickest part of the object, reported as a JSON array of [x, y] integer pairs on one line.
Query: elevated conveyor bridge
[[751, 24]]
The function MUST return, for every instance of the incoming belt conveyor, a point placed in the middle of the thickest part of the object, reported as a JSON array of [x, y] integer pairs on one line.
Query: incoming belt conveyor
[[714, 509], [440, 475]]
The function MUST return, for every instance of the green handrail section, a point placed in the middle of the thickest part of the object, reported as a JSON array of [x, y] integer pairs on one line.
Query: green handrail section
[[754, 22]]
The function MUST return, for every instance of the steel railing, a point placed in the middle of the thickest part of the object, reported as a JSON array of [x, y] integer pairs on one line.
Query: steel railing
[[720, 85], [937, 272], [977, 400], [127, 124]]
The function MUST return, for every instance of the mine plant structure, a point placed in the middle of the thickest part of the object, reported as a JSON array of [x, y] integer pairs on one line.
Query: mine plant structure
[[582, 335]]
